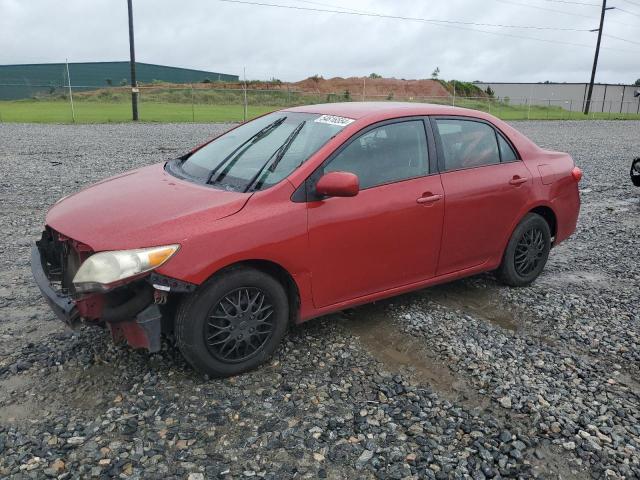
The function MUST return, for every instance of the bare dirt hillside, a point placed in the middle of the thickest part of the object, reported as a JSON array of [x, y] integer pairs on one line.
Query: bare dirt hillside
[[373, 86]]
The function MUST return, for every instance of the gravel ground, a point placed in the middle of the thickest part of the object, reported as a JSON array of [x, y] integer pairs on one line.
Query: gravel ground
[[466, 380]]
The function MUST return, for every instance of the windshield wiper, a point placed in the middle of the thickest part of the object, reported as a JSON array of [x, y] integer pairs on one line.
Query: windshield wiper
[[276, 156], [235, 155]]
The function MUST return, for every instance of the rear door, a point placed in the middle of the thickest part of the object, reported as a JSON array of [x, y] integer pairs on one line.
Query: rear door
[[486, 186], [389, 234]]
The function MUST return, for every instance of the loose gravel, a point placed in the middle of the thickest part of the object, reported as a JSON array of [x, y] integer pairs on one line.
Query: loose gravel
[[465, 380]]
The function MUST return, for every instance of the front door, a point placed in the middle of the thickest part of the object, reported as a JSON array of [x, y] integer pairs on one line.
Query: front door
[[389, 234]]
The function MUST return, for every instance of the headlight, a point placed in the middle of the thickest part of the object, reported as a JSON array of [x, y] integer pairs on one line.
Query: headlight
[[104, 268]]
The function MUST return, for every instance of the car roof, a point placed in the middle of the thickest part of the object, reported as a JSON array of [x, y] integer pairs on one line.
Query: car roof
[[358, 110]]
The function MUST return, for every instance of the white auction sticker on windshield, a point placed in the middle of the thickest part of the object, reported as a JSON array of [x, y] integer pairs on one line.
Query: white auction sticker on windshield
[[334, 120]]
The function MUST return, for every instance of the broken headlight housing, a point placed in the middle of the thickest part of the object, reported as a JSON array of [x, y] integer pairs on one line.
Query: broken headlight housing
[[103, 270]]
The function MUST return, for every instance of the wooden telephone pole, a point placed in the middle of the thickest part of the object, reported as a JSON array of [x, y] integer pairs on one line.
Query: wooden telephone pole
[[587, 105], [132, 62]]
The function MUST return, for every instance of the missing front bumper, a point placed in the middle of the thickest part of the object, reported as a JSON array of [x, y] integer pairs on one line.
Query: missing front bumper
[[62, 304], [141, 328]]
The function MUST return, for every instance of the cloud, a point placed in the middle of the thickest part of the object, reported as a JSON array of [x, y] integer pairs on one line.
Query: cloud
[[294, 44]]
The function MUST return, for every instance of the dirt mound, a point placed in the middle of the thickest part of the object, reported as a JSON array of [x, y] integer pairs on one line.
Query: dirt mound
[[373, 86]]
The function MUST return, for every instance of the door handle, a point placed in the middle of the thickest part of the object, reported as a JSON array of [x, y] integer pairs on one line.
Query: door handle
[[429, 198], [518, 180]]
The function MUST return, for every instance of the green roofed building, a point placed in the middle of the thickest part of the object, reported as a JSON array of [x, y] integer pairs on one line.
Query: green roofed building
[[28, 80]]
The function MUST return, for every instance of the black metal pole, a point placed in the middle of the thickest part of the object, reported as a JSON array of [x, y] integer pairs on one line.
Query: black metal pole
[[595, 59], [132, 62]]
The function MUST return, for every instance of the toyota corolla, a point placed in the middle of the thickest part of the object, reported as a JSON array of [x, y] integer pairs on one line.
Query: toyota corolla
[[297, 214]]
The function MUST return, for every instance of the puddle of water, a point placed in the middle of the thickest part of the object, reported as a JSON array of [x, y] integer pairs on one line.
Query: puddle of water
[[403, 353]]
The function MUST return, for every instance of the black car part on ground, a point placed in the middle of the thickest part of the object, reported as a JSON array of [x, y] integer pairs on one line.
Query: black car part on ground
[[635, 171]]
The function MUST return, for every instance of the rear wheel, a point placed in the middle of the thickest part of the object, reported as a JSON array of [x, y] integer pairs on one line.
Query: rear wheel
[[233, 323], [527, 252]]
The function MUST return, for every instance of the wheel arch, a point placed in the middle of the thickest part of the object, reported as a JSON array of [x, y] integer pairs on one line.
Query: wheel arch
[[545, 211], [549, 216], [276, 271]]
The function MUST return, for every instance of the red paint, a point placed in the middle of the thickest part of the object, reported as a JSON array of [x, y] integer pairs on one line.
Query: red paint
[[340, 251], [130, 332], [338, 184]]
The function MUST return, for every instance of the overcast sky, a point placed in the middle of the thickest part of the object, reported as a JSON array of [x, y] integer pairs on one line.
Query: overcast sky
[[294, 44]]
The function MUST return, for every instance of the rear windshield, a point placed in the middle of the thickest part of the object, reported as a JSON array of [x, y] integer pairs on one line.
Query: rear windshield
[[262, 152]]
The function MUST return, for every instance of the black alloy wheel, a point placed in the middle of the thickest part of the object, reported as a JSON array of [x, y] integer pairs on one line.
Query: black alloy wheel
[[530, 251], [233, 322], [527, 251], [239, 325]]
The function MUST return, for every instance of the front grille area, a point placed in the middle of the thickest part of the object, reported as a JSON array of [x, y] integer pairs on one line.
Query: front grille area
[[61, 261]]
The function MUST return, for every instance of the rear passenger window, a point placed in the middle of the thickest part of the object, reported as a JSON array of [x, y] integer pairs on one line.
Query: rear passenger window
[[506, 152], [386, 154], [467, 144]]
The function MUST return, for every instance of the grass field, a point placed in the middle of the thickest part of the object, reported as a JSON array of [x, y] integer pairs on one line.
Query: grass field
[[33, 111], [92, 110]]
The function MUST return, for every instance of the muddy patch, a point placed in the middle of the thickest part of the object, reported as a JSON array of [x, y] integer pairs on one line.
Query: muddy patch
[[478, 302], [18, 412], [581, 277], [11, 385], [551, 462], [403, 353], [15, 406], [83, 386]]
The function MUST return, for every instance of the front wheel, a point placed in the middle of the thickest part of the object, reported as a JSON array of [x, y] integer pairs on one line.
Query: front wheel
[[527, 252], [232, 323]]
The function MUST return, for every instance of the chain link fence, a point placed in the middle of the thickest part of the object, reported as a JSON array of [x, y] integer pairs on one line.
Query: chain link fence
[[213, 103]]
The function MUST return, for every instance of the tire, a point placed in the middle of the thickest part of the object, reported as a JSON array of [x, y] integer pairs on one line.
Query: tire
[[233, 322], [526, 253]]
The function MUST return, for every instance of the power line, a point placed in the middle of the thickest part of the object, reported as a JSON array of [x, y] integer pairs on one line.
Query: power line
[[627, 11], [623, 39], [573, 14], [401, 17], [331, 5], [574, 3], [446, 25]]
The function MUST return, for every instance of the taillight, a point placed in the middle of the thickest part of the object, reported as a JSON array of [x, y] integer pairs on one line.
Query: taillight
[[576, 173]]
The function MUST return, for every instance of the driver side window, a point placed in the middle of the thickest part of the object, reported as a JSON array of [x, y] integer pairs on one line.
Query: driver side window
[[386, 154]]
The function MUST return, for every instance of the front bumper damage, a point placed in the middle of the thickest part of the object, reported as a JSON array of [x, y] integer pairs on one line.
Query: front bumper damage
[[132, 312]]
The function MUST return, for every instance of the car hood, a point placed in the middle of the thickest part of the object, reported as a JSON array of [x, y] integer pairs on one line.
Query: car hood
[[141, 208]]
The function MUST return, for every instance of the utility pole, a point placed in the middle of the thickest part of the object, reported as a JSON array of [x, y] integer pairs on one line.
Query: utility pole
[[244, 88], [132, 62], [595, 58], [73, 113]]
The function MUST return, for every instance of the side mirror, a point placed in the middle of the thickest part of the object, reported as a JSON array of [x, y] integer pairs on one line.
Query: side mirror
[[338, 184], [636, 93]]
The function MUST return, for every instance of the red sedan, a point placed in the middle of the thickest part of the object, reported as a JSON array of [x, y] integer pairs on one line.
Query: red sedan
[[299, 213]]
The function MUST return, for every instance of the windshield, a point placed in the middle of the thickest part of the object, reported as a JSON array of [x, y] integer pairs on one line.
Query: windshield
[[262, 152]]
